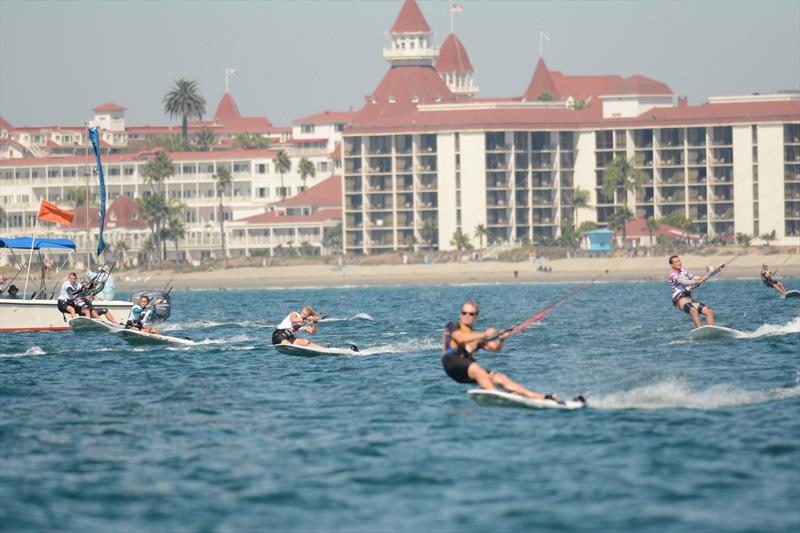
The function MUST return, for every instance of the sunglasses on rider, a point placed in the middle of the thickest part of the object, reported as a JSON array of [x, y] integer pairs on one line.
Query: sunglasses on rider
[[470, 313]]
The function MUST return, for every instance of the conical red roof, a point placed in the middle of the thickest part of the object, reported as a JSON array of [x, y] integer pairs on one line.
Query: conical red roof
[[227, 109], [453, 56], [541, 82], [638, 85], [410, 19]]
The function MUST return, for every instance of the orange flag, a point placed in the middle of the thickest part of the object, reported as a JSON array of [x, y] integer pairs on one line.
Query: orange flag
[[53, 213]]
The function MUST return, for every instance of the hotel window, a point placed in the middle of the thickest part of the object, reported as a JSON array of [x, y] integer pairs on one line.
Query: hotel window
[[307, 128], [262, 168], [113, 171], [339, 127], [322, 166], [261, 192], [188, 169], [70, 172], [205, 168], [128, 170], [241, 167]]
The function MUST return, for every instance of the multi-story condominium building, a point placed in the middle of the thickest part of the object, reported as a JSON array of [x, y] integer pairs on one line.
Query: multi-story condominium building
[[425, 157]]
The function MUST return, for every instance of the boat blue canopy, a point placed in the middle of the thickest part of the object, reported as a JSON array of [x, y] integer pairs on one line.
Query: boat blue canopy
[[24, 243]]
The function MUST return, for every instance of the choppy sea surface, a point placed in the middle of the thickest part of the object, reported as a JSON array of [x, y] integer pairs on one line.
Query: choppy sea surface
[[229, 436]]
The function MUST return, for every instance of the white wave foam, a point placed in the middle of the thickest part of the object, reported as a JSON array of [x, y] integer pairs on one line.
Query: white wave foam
[[33, 350], [676, 394], [234, 339], [413, 345], [769, 330], [191, 325], [359, 316]]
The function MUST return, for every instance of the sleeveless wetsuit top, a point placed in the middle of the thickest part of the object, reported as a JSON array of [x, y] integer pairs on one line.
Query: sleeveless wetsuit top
[[766, 277], [286, 324], [451, 347]]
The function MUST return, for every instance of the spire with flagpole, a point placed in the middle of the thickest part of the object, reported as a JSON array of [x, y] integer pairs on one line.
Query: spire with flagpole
[[228, 72], [542, 37], [454, 8]]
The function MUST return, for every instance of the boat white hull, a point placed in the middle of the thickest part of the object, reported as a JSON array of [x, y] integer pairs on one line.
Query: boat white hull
[[34, 315]]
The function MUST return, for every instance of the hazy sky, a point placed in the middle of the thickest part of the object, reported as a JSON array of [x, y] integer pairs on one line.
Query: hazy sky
[[60, 59]]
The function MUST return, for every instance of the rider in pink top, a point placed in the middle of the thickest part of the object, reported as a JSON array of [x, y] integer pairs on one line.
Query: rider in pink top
[[683, 283]]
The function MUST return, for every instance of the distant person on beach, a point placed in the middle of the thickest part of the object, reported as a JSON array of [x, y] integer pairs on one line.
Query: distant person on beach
[[770, 281], [460, 343], [141, 316], [304, 321], [683, 283]]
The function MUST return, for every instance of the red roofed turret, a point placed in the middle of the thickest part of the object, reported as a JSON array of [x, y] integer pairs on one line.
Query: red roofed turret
[[410, 19], [108, 106], [455, 68], [227, 109], [542, 82]]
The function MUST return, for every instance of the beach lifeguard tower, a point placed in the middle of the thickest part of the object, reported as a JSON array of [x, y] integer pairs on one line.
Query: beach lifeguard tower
[[598, 240]]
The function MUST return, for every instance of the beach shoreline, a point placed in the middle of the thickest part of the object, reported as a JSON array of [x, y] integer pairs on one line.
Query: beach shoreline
[[473, 272]]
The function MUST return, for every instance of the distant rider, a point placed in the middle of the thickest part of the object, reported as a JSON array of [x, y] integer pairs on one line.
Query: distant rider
[[770, 281], [141, 315], [306, 320], [460, 343], [683, 283]]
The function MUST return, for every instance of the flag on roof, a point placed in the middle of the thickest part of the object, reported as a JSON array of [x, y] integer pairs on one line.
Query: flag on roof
[[456, 8], [52, 213]]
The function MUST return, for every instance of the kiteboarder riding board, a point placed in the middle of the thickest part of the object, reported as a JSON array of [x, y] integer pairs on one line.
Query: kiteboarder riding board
[[792, 294], [314, 351], [508, 399], [713, 332]]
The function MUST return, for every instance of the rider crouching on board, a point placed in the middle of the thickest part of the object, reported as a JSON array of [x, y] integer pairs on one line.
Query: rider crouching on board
[[460, 343], [769, 280], [683, 283], [140, 316], [305, 320]]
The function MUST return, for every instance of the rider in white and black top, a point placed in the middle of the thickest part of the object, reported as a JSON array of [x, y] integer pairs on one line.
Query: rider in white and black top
[[682, 282], [305, 320], [66, 298]]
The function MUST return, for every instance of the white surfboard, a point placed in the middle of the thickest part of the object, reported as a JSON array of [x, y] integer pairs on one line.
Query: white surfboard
[[82, 323], [139, 338], [713, 332], [507, 399], [792, 294], [309, 351]]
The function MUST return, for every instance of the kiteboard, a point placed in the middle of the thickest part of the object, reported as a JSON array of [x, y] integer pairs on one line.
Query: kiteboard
[[84, 323], [508, 399], [792, 294], [140, 338], [314, 351], [713, 332]]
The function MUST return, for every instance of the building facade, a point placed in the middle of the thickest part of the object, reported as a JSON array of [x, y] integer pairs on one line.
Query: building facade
[[421, 161]]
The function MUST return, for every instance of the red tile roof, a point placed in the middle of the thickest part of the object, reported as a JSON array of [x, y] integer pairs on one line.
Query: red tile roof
[[327, 117], [336, 153], [541, 82], [326, 193], [108, 106], [453, 56], [124, 213], [402, 83], [305, 141], [410, 19], [638, 86], [227, 109], [561, 118], [279, 218], [582, 87], [143, 156], [6, 125], [636, 228]]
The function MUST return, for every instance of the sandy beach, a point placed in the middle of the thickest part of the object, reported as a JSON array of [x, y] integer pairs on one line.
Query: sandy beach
[[574, 269]]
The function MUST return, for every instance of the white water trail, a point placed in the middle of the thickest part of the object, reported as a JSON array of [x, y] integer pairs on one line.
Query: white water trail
[[33, 350], [770, 330], [676, 394], [413, 345]]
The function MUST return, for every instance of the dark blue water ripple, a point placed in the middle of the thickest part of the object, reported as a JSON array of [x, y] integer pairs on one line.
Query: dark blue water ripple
[[231, 436]]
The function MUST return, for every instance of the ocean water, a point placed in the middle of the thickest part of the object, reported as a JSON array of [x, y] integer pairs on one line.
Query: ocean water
[[230, 436]]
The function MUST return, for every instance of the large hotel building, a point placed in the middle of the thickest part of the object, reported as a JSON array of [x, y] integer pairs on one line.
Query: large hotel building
[[425, 157]]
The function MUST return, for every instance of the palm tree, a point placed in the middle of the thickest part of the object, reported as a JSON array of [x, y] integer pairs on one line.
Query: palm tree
[[460, 240], [768, 237], [223, 178], [621, 175], [204, 140], [679, 221], [176, 228], [429, 231], [250, 141], [2, 215], [282, 165], [148, 246], [410, 240], [306, 168], [652, 225], [184, 100], [157, 170], [545, 97], [480, 233], [619, 219], [580, 198], [155, 208], [77, 197]]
